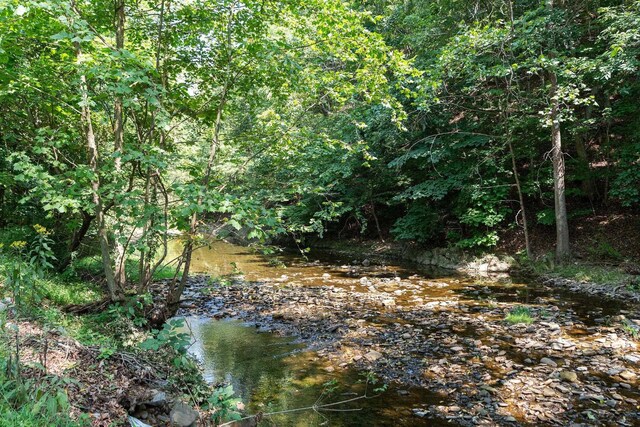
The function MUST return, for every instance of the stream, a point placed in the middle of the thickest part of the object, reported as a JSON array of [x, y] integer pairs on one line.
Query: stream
[[302, 332]]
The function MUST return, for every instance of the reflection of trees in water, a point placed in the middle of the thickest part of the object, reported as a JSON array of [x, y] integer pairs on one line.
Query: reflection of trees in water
[[231, 352], [265, 380]]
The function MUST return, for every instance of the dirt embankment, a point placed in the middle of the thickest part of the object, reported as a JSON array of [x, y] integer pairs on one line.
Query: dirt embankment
[[107, 385]]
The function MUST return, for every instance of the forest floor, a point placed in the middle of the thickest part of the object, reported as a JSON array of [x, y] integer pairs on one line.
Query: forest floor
[[103, 385], [598, 239]]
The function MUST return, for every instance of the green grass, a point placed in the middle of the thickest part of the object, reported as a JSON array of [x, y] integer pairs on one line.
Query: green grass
[[24, 417], [590, 273], [520, 314], [582, 272], [62, 292], [93, 266]]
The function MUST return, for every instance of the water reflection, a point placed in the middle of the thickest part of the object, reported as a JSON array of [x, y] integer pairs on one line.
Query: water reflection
[[272, 373]]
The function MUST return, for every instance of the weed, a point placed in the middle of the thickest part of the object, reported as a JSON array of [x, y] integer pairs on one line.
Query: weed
[[631, 329], [224, 405], [634, 284], [520, 314], [604, 250]]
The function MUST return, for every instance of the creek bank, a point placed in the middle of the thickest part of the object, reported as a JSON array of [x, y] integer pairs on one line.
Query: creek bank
[[443, 258], [450, 337], [618, 291]]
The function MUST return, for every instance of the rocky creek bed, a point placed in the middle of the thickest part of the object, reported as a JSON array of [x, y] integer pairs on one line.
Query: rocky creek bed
[[577, 364]]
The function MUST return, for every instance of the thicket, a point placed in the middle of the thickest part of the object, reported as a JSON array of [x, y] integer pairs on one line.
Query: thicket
[[441, 122]]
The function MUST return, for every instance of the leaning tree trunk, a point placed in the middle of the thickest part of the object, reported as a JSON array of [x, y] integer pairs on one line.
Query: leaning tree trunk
[[92, 150], [176, 290], [76, 240], [562, 226]]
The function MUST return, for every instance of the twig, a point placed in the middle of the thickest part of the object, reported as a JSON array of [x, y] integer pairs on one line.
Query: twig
[[314, 407]]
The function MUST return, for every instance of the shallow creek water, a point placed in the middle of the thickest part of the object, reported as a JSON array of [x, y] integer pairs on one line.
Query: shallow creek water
[[406, 310]]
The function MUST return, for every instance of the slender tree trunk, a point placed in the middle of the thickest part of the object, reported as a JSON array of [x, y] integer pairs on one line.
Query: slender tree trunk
[[176, 291], [562, 226], [525, 225], [147, 265], [375, 219], [120, 274], [507, 115], [607, 149], [92, 150], [118, 110]]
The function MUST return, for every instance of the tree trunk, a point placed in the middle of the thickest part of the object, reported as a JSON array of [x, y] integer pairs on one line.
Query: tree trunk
[[120, 274], [76, 240], [562, 226], [557, 157], [525, 225], [92, 150], [176, 291]]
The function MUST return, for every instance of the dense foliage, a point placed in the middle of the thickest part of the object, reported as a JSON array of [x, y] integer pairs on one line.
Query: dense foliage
[[441, 122]]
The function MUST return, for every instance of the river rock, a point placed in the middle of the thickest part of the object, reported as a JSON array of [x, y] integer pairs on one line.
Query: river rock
[[569, 376], [331, 329], [631, 358], [421, 413], [373, 355], [549, 362], [158, 398], [183, 415], [627, 375]]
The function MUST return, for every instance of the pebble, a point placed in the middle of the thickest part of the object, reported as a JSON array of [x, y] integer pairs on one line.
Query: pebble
[[569, 376], [627, 375], [631, 358], [421, 413], [549, 362], [373, 356]]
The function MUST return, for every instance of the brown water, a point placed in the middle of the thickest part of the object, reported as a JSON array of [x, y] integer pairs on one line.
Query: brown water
[[272, 373], [322, 268]]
